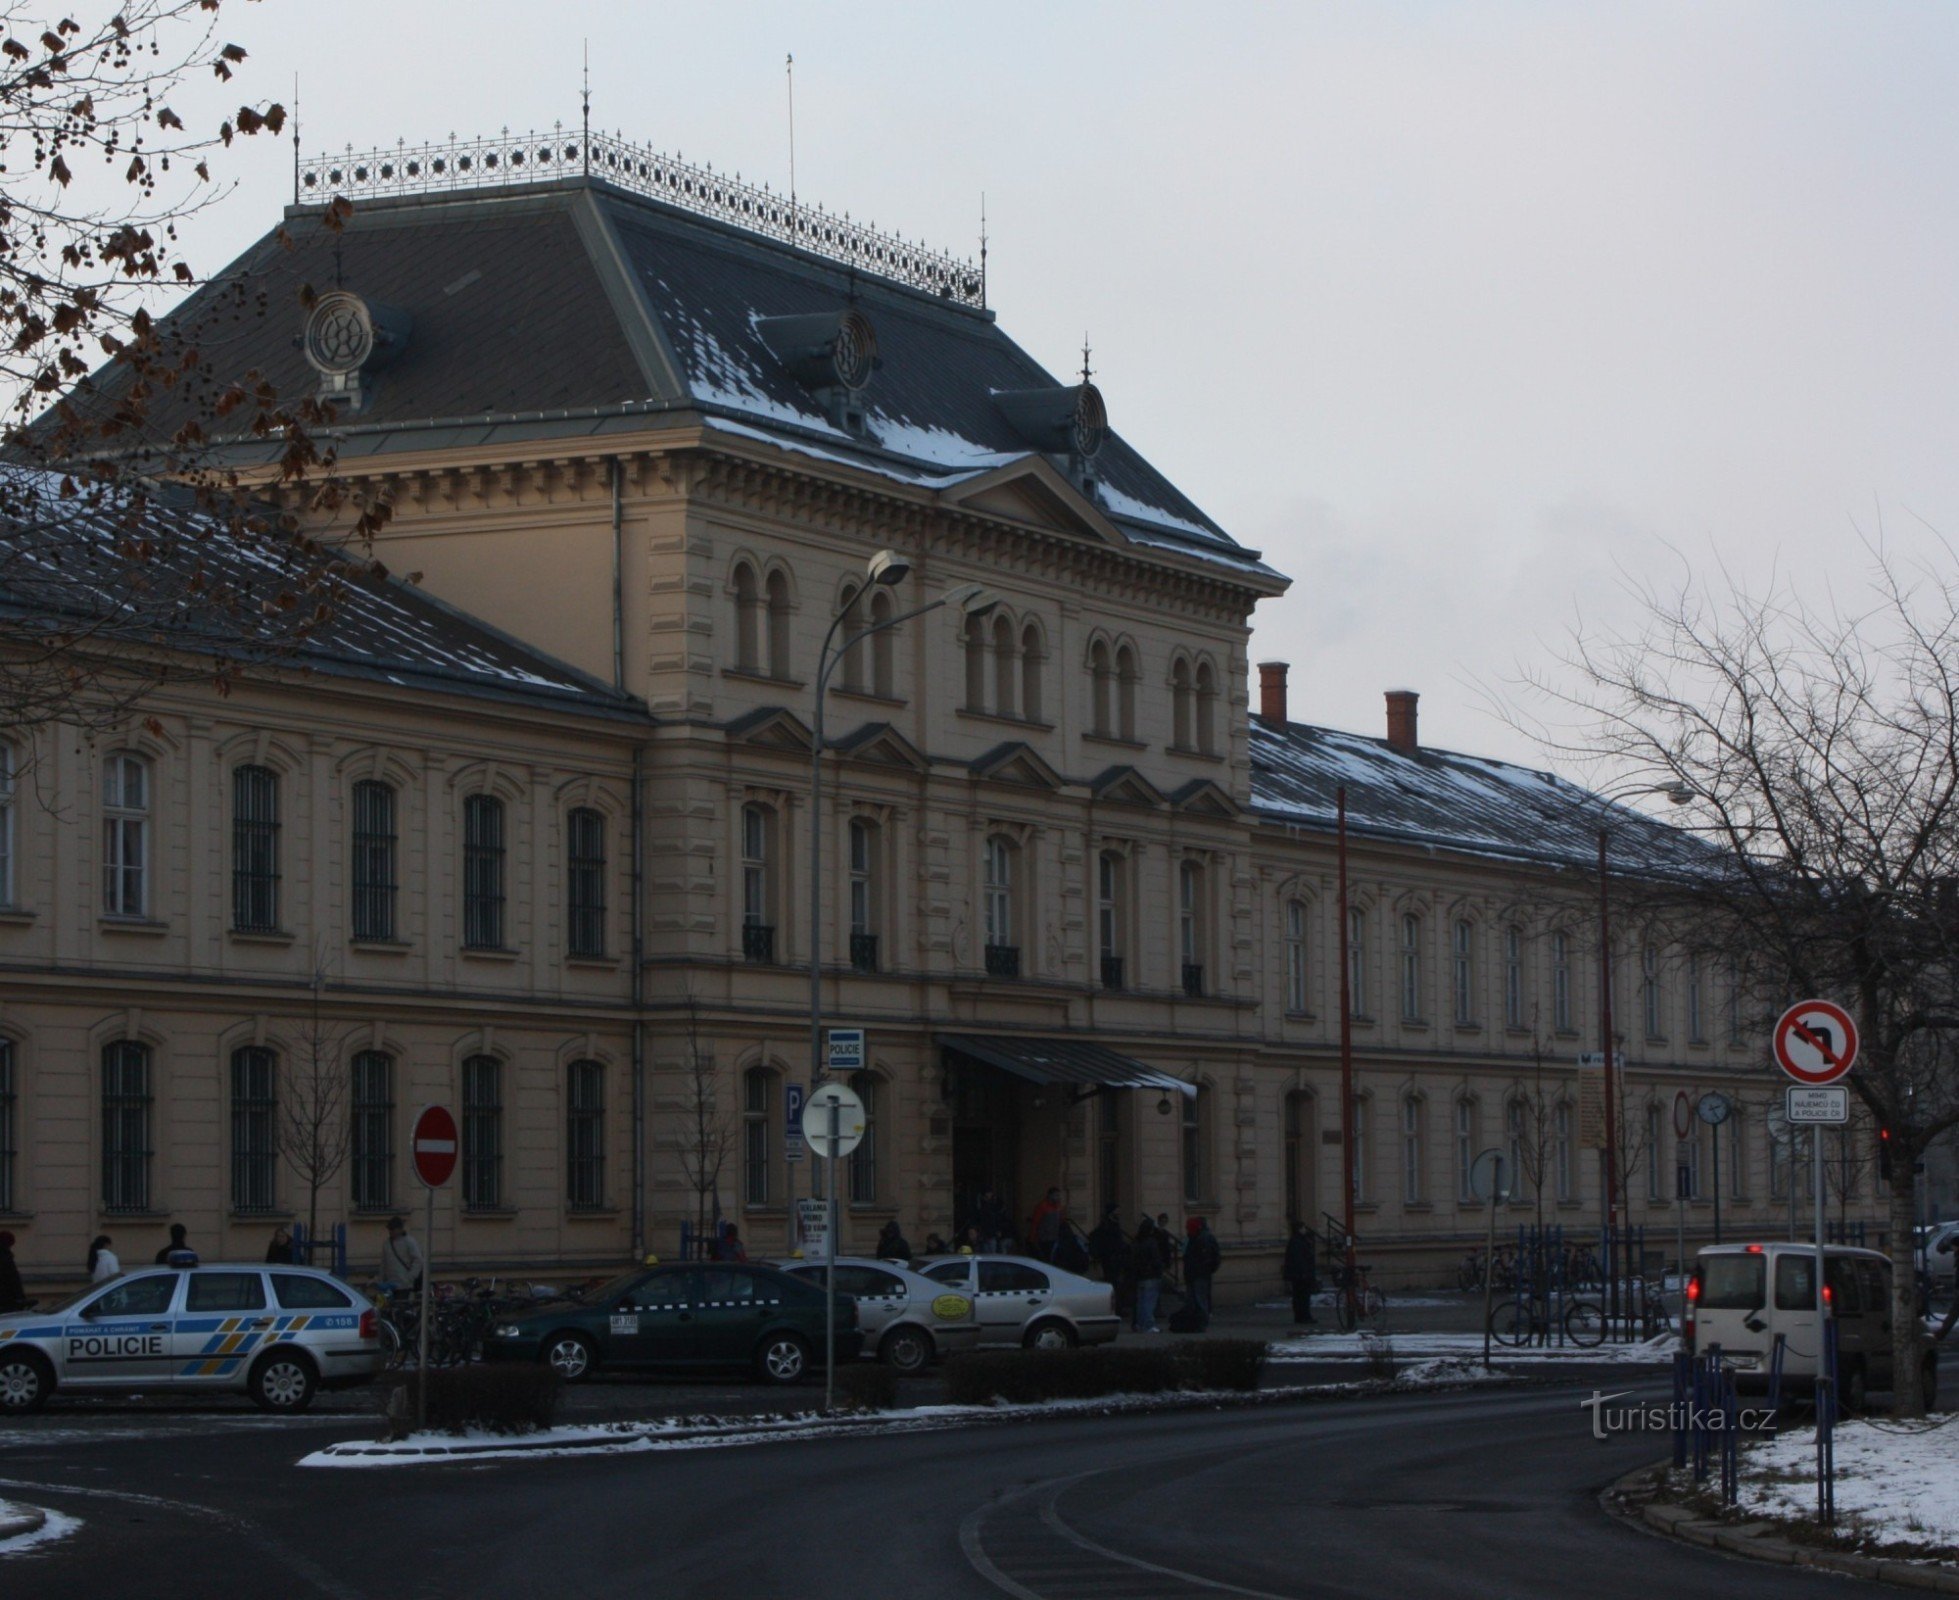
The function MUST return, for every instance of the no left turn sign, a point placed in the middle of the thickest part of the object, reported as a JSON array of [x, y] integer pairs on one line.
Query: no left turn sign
[[1815, 1042]]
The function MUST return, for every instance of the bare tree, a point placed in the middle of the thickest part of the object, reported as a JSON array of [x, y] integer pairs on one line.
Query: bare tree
[[1816, 749], [709, 1130], [315, 1128]]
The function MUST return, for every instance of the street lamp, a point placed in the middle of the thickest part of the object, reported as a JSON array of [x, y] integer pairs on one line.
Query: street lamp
[[885, 570]]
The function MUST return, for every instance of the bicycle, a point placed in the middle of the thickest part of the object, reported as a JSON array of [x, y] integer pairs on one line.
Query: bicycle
[[1524, 1320], [1469, 1275], [1355, 1299]]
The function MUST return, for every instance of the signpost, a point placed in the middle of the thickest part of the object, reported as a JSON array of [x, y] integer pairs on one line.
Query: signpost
[[792, 1122], [1714, 1109], [833, 1123], [1489, 1179], [1815, 1043], [433, 1148]]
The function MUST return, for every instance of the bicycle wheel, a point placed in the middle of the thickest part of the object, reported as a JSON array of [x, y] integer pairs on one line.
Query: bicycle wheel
[[1347, 1308], [1511, 1323], [393, 1351], [1584, 1323]]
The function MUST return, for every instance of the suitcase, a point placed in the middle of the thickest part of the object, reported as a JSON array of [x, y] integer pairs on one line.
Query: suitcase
[[1188, 1319]]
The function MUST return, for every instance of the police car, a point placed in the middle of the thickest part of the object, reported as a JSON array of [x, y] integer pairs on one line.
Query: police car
[[277, 1333]]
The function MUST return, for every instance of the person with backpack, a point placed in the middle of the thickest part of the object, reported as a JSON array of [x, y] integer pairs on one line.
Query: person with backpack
[[1107, 1246], [1202, 1258], [1145, 1268], [1302, 1270]]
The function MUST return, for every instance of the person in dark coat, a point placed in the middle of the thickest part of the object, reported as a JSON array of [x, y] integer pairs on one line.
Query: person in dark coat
[[1071, 1249], [1145, 1270], [13, 1293], [279, 1251], [1302, 1270], [994, 1224], [1107, 1246], [1202, 1258], [891, 1243], [179, 1244]]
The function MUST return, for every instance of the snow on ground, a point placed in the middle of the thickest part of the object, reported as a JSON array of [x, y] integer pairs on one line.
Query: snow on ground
[[1387, 1344], [55, 1527], [1897, 1482]]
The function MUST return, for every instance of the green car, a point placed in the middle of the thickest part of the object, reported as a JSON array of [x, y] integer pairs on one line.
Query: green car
[[682, 1318]]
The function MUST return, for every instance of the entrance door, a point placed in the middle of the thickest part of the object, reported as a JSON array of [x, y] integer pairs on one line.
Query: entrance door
[[985, 1138]]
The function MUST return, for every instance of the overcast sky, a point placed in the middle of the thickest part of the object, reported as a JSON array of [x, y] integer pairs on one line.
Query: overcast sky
[[1455, 311]]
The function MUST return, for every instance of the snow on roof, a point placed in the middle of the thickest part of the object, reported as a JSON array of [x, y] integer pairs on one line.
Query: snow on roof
[[1457, 802]]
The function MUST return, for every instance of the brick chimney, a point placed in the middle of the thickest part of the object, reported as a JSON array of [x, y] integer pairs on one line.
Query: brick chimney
[[1401, 721], [1272, 690]]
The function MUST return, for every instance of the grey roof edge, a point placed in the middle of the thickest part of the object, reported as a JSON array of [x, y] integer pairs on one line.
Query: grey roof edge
[[979, 1046], [658, 364]]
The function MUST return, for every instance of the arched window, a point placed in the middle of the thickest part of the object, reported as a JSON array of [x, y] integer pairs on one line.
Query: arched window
[[1513, 977], [1465, 971], [779, 612], [1127, 676], [865, 893], [483, 858], [975, 663], [757, 1136], [1001, 858], [585, 882], [1649, 992], [1296, 957], [1031, 656], [482, 1153], [1356, 961], [1414, 1187], [1196, 1108], [864, 1159], [1005, 703], [1561, 981], [1111, 914], [254, 1128], [758, 885], [374, 861], [850, 668], [748, 619], [127, 1145], [126, 835], [1696, 1017], [884, 676], [371, 1152], [254, 849], [1207, 708], [1181, 711], [1193, 931], [1411, 968], [1101, 690], [1465, 1149], [585, 1135], [1301, 1199]]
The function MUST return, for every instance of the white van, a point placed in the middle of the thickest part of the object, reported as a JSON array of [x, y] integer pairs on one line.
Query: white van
[[1742, 1295]]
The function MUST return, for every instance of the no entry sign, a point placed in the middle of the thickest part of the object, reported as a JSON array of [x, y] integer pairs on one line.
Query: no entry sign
[[433, 1146], [1815, 1042]]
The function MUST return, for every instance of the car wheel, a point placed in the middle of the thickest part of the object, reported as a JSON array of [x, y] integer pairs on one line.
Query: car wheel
[[26, 1381], [571, 1355], [1051, 1335], [282, 1381], [906, 1350], [783, 1358]]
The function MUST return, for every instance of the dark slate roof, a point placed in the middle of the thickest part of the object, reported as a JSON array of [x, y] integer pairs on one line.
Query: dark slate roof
[[1453, 802], [1079, 1061], [153, 569], [577, 309]]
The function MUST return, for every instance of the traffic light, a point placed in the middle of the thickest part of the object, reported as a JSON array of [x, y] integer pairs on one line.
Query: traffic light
[[1884, 1155]]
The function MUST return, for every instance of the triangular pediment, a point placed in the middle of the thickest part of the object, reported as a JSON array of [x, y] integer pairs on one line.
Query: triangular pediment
[[1016, 763], [1201, 797], [772, 728], [881, 745], [1125, 786], [1031, 490]]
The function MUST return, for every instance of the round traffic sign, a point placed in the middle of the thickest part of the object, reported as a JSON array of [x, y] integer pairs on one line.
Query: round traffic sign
[[1714, 1108], [1683, 1115], [1490, 1176], [1815, 1042], [850, 1120], [433, 1146]]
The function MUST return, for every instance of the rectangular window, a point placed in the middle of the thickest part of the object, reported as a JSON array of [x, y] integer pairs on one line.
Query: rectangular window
[[372, 1152], [1357, 962], [1413, 1191], [1465, 985], [1411, 969], [254, 850], [755, 1162], [9, 1125], [1109, 916], [1193, 1147], [1513, 978], [1296, 957], [1465, 1150], [482, 873], [585, 1135], [254, 1129], [482, 1133], [863, 895], [126, 836], [126, 1126], [757, 891], [374, 861], [1561, 982], [585, 875], [863, 1160], [9, 890]]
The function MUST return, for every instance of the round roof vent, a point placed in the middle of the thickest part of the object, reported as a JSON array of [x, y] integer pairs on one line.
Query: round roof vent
[[823, 349], [1091, 421], [347, 335], [1068, 419]]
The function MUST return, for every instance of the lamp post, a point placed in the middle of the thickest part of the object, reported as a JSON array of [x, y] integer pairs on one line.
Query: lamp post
[[885, 570]]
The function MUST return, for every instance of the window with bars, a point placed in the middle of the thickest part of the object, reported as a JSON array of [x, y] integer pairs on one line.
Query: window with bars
[[254, 1128], [126, 835], [1196, 1169], [585, 856], [482, 1154], [254, 849], [758, 1095], [1465, 1149], [863, 1160], [1411, 968], [1465, 972], [9, 1126], [371, 1158], [374, 860], [1561, 982], [1296, 956], [1513, 977], [585, 1135], [126, 1104], [863, 894], [483, 873], [9, 890], [1414, 1188]]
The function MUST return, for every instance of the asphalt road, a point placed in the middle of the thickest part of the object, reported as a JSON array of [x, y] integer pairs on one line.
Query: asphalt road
[[1480, 1494]]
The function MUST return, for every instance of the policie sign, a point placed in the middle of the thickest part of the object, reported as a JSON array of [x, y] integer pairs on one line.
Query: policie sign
[[1828, 1107]]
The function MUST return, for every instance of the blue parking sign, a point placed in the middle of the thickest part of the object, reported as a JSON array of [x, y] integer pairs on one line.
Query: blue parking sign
[[793, 1095]]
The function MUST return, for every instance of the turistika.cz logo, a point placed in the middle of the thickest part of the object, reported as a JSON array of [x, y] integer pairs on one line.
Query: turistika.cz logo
[[1669, 1417]]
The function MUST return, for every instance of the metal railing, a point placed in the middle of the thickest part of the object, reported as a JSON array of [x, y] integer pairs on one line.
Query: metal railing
[[1003, 961], [863, 952], [1112, 972], [758, 942]]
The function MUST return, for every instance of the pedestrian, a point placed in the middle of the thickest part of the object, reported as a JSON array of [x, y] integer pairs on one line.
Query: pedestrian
[[994, 1223], [1166, 1241], [971, 1244], [1071, 1249], [1302, 1270], [1107, 1246], [279, 1252], [401, 1257], [1201, 1260], [1146, 1267], [1044, 1227], [891, 1243], [178, 1246], [729, 1246], [935, 1246], [13, 1293], [102, 1262]]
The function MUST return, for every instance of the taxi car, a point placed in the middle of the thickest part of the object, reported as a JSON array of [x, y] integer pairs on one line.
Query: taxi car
[[277, 1333], [907, 1321], [1026, 1302], [680, 1317]]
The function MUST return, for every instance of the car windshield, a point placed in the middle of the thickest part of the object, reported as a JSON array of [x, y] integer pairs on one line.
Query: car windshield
[[617, 1289], [1731, 1283], [66, 1302]]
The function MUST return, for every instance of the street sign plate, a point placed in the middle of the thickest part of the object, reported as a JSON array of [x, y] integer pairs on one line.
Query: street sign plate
[[850, 1120], [845, 1049], [813, 1218], [1829, 1106], [793, 1148], [1683, 1115], [1815, 1042], [1591, 1061], [433, 1146]]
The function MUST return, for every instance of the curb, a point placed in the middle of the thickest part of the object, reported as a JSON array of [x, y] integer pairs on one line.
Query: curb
[[1629, 1499], [17, 1520]]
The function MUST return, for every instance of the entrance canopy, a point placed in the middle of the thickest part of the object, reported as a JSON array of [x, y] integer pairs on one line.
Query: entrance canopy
[[1061, 1061]]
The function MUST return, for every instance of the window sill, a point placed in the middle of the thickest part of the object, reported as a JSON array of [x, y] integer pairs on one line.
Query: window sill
[[745, 676], [386, 1209], [486, 953], [868, 696], [270, 1214], [1302, 1016], [591, 1213], [130, 1214], [1004, 720], [15, 916], [1516, 1030], [258, 936], [1115, 741], [596, 963], [136, 925], [1422, 1206], [380, 947], [1420, 1024], [1469, 1027], [1191, 753], [489, 1213]]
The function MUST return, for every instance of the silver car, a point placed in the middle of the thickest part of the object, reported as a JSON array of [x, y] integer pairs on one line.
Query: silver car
[[276, 1333], [907, 1320], [1028, 1302]]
